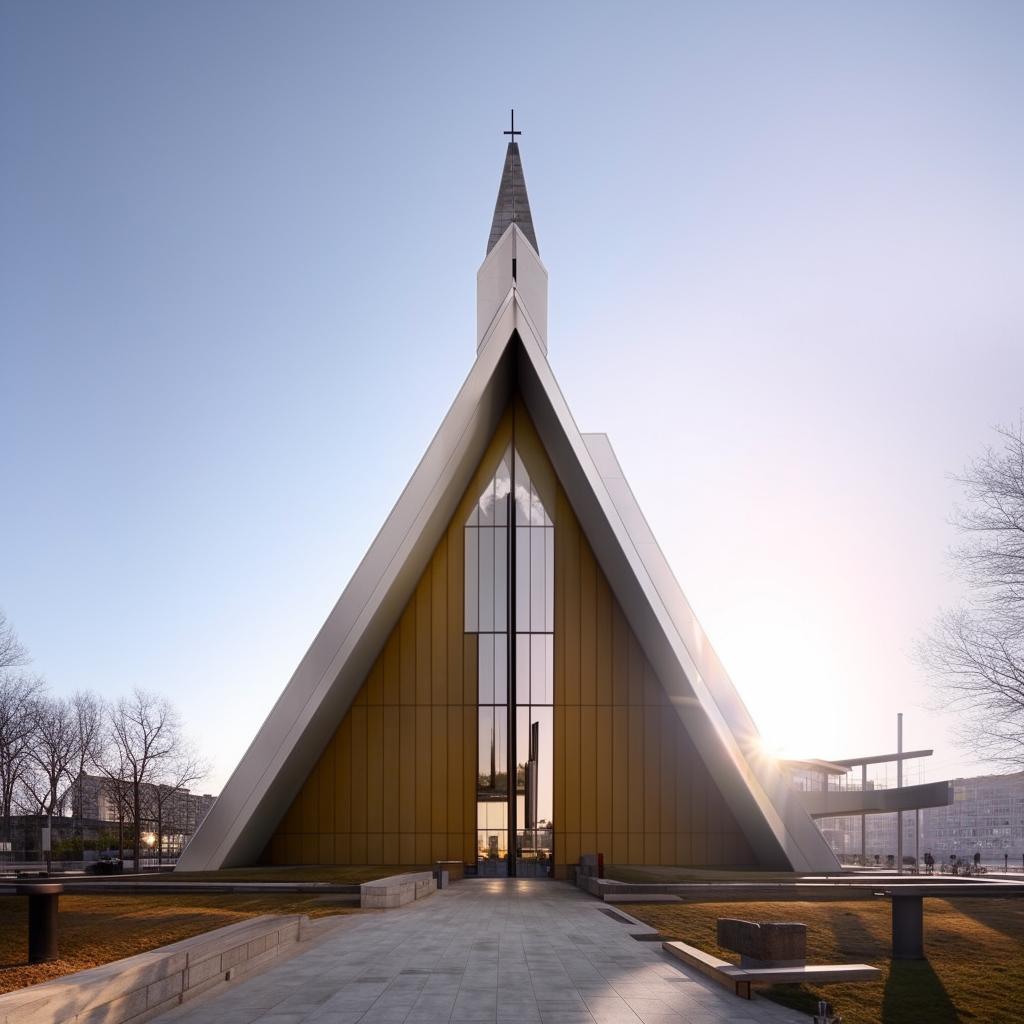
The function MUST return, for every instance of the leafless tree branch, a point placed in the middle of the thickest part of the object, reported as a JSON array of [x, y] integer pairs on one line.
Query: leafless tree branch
[[976, 653], [146, 748], [12, 652]]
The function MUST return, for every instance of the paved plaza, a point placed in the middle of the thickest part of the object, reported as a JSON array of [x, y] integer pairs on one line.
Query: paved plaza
[[482, 950]]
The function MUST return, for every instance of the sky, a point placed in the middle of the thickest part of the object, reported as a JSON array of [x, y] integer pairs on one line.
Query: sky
[[238, 247]]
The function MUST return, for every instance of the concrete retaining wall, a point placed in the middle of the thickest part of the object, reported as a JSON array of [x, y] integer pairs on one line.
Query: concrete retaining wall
[[140, 987], [396, 890]]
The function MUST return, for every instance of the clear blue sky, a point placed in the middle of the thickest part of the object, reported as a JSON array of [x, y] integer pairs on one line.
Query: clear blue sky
[[238, 246]]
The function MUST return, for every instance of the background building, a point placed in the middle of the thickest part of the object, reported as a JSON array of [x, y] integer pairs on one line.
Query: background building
[[858, 803], [985, 815], [174, 815]]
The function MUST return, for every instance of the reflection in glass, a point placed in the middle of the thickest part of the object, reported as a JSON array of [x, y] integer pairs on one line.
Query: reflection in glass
[[534, 790], [486, 595], [492, 668], [492, 753], [549, 583], [534, 767], [522, 574], [485, 668], [500, 586], [538, 584], [522, 668]]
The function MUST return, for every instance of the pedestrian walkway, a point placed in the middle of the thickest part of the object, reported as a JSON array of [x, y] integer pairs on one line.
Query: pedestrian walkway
[[499, 950]]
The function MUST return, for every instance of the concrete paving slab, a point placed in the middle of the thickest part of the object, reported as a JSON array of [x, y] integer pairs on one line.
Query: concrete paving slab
[[488, 950]]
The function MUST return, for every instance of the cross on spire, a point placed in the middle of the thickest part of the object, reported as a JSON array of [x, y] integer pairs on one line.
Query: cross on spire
[[513, 133], [512, 206]]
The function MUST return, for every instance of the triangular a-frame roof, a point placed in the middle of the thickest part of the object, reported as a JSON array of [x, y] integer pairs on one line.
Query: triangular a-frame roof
[[511, 358]]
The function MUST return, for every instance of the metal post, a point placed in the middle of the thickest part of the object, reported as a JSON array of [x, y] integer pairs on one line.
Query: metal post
[[863, 817], [899, 785], [917, 838]]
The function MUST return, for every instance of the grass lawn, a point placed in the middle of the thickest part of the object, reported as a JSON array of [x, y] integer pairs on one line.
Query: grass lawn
[[974, 971], [97, 929], [309, 873], [666, 875]]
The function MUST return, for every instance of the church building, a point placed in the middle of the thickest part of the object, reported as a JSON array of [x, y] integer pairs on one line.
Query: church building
[[513, 677]]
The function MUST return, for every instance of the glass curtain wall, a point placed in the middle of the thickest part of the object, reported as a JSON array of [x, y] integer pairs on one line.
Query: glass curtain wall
[[509, 527], [534, 678], [487, 597]]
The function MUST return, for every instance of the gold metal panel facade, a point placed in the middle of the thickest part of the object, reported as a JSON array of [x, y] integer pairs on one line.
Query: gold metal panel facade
[[396, 784]]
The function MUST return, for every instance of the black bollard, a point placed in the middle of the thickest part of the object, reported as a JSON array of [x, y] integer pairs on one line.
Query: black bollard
[[42, 920]]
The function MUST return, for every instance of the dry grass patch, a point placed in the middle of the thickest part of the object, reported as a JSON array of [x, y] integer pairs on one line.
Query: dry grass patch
[[670, 875], [301, 873], [97, 929], [974, 971]]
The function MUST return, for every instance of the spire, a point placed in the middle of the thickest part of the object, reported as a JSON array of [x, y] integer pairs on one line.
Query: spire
[[513, 205], [512, 270]]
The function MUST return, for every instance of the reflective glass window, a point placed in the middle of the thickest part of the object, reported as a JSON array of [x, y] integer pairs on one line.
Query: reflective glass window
[[485, 668], [538, 583], [522, 668], [486, 601], [510, 502]]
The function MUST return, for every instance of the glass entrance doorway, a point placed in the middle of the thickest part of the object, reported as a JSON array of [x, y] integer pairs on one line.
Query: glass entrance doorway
[[509, 606]]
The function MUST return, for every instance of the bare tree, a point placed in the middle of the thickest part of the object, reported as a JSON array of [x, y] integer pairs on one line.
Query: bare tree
[[164, 799], [12, 652], [118, 789], [18, 695], [17, 692], [136, 744], [88, 711], [145, 738], [53, 752], [976, 652]]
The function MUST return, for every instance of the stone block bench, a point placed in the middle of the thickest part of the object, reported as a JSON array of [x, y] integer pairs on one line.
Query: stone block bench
[[740, 979], [143, 986], [769, 944], [396, 890]]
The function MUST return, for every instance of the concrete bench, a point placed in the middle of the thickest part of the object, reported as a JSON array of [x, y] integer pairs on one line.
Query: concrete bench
[[740, 979], [396, 890], [812, 974], [710, 966]]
